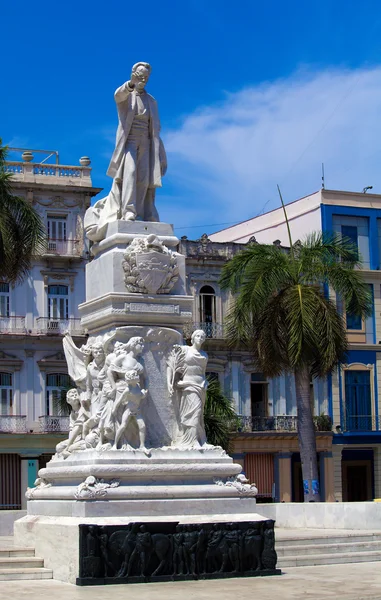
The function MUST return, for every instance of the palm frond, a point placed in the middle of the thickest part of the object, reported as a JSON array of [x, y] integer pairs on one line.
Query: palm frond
[[22, 233], [219, 416]]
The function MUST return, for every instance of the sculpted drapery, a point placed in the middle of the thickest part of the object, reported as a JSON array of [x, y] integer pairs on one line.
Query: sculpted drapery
[[138, 161]]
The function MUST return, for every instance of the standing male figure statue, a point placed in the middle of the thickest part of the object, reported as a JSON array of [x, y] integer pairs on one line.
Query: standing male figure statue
[[138, 162]]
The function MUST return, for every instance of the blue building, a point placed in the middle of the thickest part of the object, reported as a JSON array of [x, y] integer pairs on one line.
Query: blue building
[[353, 390]]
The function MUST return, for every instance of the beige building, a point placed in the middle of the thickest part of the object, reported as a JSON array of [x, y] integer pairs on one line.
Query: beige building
[[33, 318]]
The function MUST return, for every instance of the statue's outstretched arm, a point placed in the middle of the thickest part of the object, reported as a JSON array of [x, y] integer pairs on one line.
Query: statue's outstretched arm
[[123, 92]]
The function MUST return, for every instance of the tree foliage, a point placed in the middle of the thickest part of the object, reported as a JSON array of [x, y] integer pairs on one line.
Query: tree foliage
[[219, 416], [22, 233]]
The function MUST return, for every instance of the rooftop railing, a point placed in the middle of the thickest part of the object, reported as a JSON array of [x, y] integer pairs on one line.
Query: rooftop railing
[[57, 174]]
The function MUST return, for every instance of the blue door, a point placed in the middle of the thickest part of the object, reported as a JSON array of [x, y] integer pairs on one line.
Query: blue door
[[358, 402]]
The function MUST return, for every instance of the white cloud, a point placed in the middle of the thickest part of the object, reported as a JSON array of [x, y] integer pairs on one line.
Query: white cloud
[[229, 157]]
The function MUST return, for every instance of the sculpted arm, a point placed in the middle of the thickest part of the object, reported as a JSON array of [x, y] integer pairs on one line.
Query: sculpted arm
[[123, 92]]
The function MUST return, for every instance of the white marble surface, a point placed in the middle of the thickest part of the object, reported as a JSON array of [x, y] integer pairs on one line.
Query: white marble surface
[[325, 515], [56, 539]]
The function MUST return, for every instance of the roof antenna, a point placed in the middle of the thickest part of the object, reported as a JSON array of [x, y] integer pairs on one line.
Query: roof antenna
[[322, 177]]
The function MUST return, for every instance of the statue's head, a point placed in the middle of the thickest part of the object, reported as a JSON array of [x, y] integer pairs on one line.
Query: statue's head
[[135, 344], [97, 351], [132, 376], [140, 75], [72, 398], [198, 337]]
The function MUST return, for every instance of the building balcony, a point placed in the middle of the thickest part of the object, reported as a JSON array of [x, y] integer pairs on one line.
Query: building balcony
[[12, 424], [48, 326], [55, 174], [278, 423], [53, 424], [63, 248], [360, 423], [12, 325], [212, 330]]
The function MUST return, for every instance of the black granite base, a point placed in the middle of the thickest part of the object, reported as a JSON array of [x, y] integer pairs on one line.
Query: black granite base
[[149, 552]]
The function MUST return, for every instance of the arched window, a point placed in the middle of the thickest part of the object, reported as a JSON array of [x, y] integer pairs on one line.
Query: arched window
[[207, 304], [57, 385], [6, 394], [58, 302]]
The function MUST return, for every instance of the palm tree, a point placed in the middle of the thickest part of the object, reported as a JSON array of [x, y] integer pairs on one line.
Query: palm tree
[[283, 314], [219, 416], [22, 233]]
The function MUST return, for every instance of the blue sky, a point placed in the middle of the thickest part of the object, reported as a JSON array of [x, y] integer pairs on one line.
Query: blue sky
[[250, 94]]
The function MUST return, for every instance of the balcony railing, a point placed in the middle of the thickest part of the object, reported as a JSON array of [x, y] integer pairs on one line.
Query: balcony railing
[[212, 330], [360, 423], [278, 423], [63, 248], [284, 423], [48, 326], [12, 325], [57, 174], [52, 424], [12, 424]]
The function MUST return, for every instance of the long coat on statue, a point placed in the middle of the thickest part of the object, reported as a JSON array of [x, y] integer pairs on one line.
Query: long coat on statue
[[125, 99]]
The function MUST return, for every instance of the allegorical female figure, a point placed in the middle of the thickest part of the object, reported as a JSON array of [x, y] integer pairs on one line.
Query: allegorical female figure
[[186, 376]]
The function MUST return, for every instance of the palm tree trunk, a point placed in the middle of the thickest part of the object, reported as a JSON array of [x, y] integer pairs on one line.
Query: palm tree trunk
[[306, 436]]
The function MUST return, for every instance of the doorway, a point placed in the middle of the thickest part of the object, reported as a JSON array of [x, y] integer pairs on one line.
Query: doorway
[[357, 475]]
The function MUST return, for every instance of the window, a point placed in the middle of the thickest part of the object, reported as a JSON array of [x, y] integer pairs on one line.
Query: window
[[57, 228], [350, 231], [358, 401], [207, 304], [6, 394], [4, 299], [58, 302], [354, 322], [57, 385], [211, 376]]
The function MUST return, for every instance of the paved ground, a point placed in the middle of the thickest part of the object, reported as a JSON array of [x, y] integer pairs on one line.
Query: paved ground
[[342, 582]]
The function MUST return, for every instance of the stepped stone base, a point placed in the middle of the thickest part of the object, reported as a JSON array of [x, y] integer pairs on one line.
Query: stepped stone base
[[56, 539]]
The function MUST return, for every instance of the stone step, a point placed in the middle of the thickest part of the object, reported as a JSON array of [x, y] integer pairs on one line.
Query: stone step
[[21, 562], [315, 540], [348, 546], [328, 559], [17, 574], [4, 552]]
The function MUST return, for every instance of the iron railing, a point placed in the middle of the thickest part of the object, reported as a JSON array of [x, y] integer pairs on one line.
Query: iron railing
[[54, 424], [49, 326], [360, 423], [12, 424], [12, 324], [212, 330], [62, 248], [278, 423]]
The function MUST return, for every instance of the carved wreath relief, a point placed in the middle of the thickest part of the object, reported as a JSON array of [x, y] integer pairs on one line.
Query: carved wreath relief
[[149, 266]]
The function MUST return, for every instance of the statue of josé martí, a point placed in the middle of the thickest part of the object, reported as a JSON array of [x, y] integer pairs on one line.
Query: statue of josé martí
[[138, 163]]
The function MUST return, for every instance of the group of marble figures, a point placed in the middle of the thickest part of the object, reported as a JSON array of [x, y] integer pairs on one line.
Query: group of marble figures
[[106, 405], [168, 550]]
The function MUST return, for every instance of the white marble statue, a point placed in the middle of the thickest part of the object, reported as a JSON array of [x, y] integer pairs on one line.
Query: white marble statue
[[126, 411], [187, 383], [79, 415], [138, 162], [94, 386]]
